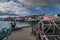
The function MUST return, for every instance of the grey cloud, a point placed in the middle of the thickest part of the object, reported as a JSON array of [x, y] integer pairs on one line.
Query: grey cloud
[[13, 8], [4, 0], [39, 2]]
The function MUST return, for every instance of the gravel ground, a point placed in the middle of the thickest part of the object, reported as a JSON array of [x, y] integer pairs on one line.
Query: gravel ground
[[23, 34]]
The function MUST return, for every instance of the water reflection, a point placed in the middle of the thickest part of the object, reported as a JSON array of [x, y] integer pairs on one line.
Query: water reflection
[[18, 24], [21, 24]]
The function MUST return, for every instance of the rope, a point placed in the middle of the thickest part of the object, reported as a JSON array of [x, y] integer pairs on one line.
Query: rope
[[48, 28], [56, 25], [42, 36]]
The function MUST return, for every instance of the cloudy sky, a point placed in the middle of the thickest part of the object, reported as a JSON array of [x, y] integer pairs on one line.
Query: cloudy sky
[[29, 7], [39, 2]]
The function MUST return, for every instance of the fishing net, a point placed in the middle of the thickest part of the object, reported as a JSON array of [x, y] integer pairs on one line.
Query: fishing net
[[5, 32]]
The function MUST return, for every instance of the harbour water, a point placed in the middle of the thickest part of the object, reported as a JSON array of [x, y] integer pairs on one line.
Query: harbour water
[[18, 24]]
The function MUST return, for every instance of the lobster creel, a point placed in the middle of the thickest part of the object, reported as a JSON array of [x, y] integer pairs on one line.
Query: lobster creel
[[48, 30]]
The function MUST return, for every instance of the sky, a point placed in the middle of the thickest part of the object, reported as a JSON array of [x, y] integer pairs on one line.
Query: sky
[[39, 2], [29, 7]]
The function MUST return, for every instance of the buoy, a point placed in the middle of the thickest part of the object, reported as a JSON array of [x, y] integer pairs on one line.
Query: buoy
[[47, 17]]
